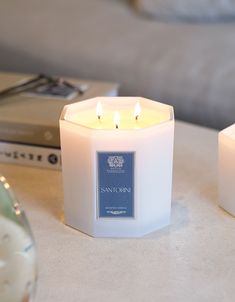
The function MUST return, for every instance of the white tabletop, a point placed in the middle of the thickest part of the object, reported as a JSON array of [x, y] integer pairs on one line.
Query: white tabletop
[[193, 259]]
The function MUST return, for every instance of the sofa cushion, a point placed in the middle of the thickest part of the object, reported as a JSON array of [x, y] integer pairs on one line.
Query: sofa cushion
[[187, 9], [188, 65]]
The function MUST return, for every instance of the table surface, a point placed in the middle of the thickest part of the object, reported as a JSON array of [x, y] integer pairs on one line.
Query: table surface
[[193, 259]]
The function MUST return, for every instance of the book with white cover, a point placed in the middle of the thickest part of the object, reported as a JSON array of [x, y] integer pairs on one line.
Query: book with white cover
[[30, 155]]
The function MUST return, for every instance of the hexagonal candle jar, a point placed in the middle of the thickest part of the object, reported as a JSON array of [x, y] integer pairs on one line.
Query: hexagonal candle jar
[[227, 169], [117, 155]]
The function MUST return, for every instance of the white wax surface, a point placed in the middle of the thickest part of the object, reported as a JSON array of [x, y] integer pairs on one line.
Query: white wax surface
[[149, 115]]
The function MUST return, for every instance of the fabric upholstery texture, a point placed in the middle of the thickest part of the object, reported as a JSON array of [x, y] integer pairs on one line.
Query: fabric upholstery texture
[[187, 9], [190, 66]]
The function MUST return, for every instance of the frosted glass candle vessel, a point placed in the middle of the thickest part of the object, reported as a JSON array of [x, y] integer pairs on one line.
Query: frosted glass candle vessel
[[117, 157], [227, 169]]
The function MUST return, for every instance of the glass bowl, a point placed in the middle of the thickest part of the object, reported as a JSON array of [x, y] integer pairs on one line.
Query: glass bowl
[[18, 269]]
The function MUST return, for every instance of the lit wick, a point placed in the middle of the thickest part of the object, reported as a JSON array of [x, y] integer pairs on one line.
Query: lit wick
[[137, 111], [116, 119], [99, 110]]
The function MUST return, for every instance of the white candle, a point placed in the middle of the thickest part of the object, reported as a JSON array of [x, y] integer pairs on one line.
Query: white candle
[[227, 169], [117, 166]]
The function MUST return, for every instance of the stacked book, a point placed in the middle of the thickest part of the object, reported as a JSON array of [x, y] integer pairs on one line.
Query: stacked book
[[29, 120]]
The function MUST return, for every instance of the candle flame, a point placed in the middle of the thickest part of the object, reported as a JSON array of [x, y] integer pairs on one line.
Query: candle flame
[[6, 185], [137, 110], [116, 119], [99, 110]]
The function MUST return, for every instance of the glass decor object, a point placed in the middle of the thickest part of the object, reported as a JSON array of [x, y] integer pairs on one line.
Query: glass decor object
[[18, 270], [117, 155]]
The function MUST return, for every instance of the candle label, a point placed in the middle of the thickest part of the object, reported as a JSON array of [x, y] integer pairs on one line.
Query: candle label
[[115, 184]]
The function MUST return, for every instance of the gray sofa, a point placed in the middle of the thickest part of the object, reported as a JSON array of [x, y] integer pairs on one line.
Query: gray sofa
[[189, 65]]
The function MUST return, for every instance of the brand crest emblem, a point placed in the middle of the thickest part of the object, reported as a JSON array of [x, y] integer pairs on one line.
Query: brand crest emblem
[[115, 161]]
